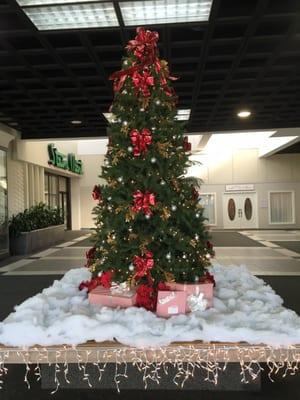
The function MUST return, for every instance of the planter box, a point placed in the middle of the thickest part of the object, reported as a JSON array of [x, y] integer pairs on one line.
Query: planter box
[[29, 242]]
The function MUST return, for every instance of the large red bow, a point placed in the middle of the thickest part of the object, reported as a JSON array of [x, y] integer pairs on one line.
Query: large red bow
[[142, 81], [140, 141], [143, 201], [143, 264], [144, 46]]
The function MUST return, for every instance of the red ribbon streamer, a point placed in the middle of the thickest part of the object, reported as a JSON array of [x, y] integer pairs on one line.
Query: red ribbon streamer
[[140, 141]]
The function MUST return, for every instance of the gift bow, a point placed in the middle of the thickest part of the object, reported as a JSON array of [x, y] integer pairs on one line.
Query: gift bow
[[140, 141], [197, 302], [119, 288], [143, 201], [144, 45], [143, 264]]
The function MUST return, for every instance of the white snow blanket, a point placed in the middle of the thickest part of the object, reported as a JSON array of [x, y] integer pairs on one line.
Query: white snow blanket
[[245, 309]]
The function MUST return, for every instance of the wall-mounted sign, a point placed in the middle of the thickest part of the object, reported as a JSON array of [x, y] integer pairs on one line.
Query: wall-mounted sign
[[63, 161], [245, 187]]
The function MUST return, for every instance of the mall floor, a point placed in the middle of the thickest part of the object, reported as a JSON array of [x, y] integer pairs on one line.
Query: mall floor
[[273, 255]]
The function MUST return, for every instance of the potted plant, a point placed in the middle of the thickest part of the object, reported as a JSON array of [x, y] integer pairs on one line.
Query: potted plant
[[37, 227]]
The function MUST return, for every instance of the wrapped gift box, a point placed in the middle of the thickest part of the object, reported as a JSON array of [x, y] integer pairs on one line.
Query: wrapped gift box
[[109, 298], [170, 303], [195, 289]]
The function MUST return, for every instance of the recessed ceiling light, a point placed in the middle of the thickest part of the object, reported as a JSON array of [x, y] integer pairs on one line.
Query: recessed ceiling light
[[183, 114], [54, 14], [76, 122], [244, 114], [164, 11]]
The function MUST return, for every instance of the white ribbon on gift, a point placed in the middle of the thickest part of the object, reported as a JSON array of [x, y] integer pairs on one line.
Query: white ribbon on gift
[[120, 288], [197, 302]]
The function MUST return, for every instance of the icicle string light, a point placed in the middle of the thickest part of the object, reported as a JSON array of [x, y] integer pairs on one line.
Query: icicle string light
[[152, 363]]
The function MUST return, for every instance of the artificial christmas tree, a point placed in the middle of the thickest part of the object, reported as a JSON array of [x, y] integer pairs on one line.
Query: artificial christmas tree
[[149, 223]]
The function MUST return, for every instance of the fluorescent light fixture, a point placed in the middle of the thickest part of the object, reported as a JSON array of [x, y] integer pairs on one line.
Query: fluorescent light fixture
[[183, 114], [164, 11], [76, 122], [244, 114], [30, 3], [49, 15]]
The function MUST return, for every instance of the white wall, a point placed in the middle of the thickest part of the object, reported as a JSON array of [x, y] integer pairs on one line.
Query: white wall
[[278, 172], [92, 169]]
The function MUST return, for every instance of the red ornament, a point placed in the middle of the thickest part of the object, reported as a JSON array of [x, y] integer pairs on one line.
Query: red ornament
[[143, 265], [146, 297], [140, 140], [142, 81], [96, 193], [143, 202], [90, 256], [144, 45], [187, 146]]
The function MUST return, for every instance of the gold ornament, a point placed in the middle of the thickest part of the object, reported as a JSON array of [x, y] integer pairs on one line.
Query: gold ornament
[[130, 215], [119, 154], [193, 243], [164, 149], [165, 213]]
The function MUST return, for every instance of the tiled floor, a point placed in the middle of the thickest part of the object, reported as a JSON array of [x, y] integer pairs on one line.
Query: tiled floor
[[268, 257], [263, 252]]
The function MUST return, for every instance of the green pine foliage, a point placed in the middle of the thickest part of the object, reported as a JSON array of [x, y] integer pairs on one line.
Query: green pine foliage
[[175, 231]]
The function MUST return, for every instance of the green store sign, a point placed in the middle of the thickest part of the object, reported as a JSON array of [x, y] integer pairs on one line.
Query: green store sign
[[63, 161]]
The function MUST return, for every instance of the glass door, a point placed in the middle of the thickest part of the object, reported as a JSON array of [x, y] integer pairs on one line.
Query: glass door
[[3, 204]]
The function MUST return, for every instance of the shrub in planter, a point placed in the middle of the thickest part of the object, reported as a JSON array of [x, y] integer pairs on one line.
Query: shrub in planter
[[36, 217]]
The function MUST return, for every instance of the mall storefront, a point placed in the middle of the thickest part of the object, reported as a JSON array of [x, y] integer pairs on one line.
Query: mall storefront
[[34, 172]]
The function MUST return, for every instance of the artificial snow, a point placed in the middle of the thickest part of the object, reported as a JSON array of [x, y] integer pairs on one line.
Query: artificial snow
[[245, 309]]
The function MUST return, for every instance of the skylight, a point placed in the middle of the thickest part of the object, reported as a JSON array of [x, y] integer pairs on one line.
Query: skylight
[[164, 11], [69, 14]]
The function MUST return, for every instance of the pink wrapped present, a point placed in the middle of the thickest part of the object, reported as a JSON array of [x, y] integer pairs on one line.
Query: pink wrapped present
[[194, 291], [112, 298], [170, 303]]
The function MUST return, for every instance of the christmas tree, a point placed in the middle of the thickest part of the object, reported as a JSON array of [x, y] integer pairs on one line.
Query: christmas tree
[[149, 222]]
